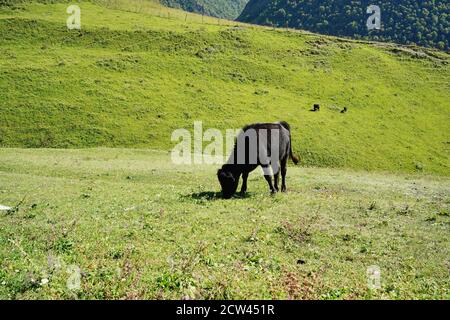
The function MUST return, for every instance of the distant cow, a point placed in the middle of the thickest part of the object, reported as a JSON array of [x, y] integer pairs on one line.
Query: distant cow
[[263, 144]]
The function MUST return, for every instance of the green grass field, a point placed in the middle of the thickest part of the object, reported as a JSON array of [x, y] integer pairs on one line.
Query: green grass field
[[86, 119], [139, 227]]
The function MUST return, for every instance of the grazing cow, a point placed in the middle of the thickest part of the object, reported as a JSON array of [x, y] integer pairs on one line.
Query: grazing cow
[[263, 144], [316, 108]]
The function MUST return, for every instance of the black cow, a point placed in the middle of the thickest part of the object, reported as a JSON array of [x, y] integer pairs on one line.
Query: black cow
[[263, 144]]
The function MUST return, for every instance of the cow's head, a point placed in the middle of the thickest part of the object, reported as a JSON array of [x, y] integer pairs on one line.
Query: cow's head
[[228, 181]]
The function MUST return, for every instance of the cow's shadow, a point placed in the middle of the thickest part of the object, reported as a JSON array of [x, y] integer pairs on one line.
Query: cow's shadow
[[213, 196], [207, 195]]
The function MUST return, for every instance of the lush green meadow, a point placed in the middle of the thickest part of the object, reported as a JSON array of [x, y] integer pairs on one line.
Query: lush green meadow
[[81, 112], [139, 227], [134, 73]]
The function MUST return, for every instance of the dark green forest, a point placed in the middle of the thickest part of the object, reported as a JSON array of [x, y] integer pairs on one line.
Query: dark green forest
[[425, 23], [229, 9]]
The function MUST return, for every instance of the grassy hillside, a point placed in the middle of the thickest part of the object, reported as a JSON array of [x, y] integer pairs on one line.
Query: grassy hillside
[[229, 9], [134, 73], [138, 227]]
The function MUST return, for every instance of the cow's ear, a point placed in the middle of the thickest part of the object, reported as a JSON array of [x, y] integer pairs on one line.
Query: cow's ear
[[222, 174], [230, 176]]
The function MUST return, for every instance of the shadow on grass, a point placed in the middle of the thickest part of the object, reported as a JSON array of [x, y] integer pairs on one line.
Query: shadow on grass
[[213, 196]]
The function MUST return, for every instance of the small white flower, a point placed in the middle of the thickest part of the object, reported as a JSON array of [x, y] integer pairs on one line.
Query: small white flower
[[44, 281]]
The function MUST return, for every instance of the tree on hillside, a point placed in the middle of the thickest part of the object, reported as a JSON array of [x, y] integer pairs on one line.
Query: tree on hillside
[[425, 23], [228, 9]]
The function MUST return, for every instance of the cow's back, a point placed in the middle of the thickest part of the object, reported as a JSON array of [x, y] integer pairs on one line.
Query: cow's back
[[266, 135]]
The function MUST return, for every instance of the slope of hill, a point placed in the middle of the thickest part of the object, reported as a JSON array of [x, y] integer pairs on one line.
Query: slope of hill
[[229, 9], [129, 79], [403, 21]]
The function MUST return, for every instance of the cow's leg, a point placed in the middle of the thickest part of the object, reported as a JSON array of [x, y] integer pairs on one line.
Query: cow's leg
[[283, 174], [276, 179], [268, 176], [269, 181], [244, 182], [276, 176]]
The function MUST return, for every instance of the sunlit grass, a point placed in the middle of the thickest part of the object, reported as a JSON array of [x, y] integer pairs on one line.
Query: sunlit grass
[[139, 227]]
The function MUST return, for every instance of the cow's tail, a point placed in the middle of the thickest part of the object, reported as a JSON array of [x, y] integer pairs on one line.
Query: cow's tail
[[294, 158]]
